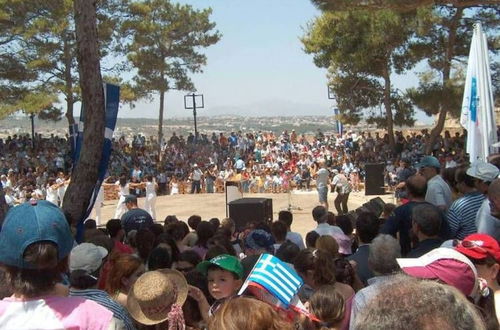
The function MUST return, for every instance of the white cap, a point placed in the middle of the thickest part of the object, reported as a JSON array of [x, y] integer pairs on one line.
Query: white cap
[[87, 256], [483, 171]]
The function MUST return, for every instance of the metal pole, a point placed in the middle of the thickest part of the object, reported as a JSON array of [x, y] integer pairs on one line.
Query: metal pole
[[194, 114], [32, 116]]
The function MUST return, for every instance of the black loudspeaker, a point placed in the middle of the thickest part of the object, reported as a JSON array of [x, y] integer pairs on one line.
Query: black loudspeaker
[[375, 205], [374, 180], [246, 210]]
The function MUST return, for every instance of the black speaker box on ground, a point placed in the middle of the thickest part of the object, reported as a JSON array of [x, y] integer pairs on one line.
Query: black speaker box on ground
[[246, 210], [374, 180]]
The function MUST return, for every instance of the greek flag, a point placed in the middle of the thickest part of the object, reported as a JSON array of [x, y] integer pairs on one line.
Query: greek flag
[[276, 277]]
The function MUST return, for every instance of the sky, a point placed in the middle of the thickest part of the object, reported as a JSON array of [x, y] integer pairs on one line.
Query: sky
[[258, 68]]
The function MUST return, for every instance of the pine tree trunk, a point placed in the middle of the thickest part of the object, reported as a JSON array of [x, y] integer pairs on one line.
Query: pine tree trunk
[[68, 81], [388, 108], [85, 173]]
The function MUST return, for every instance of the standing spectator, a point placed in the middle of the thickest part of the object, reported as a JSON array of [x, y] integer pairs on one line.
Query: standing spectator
[[399, 224], [321, 178], [367, 227], [461, 216], [486, 220], [320, 215], [343, 189], [491, 225], [438, 191], [287, 218], [427, 220], [382, 259], [196, 176], [135, 218]]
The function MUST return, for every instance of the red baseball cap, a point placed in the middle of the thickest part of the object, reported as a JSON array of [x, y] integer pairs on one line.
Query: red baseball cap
[[479, 246]]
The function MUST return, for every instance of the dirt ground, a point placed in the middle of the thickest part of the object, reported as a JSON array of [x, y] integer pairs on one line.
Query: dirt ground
[[213, 205]]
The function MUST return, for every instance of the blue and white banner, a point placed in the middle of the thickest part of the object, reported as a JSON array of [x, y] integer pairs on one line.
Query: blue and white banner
[[338, 124], [478, 115], [111, 101]]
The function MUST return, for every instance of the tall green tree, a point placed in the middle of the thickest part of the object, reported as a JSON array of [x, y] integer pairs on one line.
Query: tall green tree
[[400, 5], [362, 50], [39, 40], [165, 46]]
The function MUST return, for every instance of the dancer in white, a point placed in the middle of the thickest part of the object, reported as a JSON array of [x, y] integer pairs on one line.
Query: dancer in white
[[61, 180], [151, 187], [123, 185], [98, 204], [51, 191]]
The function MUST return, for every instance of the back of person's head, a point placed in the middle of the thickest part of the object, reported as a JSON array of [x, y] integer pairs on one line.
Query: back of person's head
[[228, 224], [287, 252], [249, 314], [224, 241], [145, 240], [427, 218], [114, 226], [331, 219], [388, 209], [409, 303], [328, 244], [279, 230], [416, 186], [159, 258], [316, 265], [367, 227], [344, 222], [328, 306], [194, 221], [90, 224], [311, 239], [35, 243], [122, 266], [102, 240], [319, 214], [204, 231], [169, 219], [461, 177], [190, 256], [167, 241], [215, 222], [384, 251], [286, 217], [157, 229], [215, 251], [176, 230]]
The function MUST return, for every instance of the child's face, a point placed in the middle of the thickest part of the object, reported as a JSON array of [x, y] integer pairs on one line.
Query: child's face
[[222, 284]]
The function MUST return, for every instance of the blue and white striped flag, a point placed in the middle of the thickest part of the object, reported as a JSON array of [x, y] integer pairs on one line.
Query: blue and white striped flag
[[276, 277]]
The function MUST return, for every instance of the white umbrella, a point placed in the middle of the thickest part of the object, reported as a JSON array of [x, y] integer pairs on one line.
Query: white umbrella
[[478, 116]]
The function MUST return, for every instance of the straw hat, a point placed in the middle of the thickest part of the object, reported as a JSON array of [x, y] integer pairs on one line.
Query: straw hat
[[156, 294]]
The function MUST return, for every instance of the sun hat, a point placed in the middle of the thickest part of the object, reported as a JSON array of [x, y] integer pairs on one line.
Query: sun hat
[[429, 161], [224, 261], [259, 239], [87, 256], [157, 296], [479, 246], [444, 264], [483, 171], [32, 222]]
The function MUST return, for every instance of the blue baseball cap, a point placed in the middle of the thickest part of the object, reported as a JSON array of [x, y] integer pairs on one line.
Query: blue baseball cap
[[429, 161], [32, 222]]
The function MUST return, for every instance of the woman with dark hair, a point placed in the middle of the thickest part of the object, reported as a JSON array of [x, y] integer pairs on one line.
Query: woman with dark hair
[[168, 242]]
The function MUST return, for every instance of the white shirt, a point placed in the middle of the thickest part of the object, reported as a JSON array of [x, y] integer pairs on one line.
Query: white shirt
[[324, 229]]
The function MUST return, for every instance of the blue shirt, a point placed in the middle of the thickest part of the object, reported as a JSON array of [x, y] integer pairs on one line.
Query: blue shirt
[[462, 213]]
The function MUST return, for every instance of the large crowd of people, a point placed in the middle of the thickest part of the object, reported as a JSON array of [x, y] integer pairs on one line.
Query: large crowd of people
[[431, 261]]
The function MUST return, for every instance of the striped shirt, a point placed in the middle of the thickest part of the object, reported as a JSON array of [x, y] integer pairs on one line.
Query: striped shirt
[[461, 215], [103, 299]]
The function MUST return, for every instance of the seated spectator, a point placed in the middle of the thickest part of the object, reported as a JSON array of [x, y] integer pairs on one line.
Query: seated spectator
[[329, 245], [191, 238], [204, 231], [35, 243], [287, 218], [187, 261], [328, 307], [159, 258], [279, 231], [311, 239], [287, 252], [116, 232]]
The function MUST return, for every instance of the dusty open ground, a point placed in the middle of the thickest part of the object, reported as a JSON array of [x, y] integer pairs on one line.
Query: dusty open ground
[[213, 205]]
